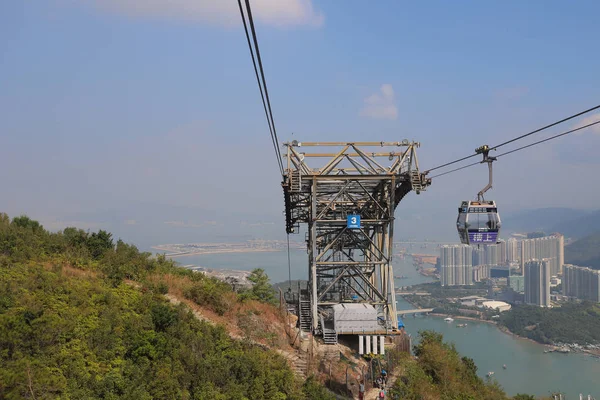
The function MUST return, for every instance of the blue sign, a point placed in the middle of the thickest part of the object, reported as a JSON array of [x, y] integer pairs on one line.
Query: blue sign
[[353, 221]]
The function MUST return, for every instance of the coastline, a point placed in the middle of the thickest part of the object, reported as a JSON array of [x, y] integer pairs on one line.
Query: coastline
[[223, 251], [503, 329]]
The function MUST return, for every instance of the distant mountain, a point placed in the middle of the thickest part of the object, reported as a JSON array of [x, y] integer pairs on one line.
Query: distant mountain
[[148, 224], [584, 252], [547, 220], [579, 227]]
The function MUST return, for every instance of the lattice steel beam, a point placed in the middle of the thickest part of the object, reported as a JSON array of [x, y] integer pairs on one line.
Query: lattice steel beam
[[350, 180]]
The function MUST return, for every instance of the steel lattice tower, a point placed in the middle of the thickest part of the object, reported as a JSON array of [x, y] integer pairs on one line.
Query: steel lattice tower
[[348, 204]]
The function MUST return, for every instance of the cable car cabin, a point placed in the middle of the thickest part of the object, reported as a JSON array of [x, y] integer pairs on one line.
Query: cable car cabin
[[478, 222]]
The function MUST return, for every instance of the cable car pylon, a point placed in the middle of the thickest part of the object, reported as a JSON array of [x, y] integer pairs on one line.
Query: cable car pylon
[[346, 194]]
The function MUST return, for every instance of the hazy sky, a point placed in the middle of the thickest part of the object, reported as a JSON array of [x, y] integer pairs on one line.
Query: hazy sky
[[129, 109]]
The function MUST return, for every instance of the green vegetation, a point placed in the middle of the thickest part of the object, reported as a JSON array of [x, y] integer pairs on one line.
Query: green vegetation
[[439, 372], [261, 289], [572, 323], [85, 317], [82, 317], [584, 252]]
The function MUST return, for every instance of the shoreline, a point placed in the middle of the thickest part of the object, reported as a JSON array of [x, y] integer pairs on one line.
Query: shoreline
[[503, 329], [223, 251]]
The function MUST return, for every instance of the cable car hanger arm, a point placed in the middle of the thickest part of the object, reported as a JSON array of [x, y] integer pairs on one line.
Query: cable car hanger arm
[[485, 149]]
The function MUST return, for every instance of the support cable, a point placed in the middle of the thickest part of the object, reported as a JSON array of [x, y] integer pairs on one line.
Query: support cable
[[521, 148], [289, 262], [512, 140], [263, 94]]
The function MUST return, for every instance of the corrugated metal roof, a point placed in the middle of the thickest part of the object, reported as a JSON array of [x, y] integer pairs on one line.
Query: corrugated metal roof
[[352, 306]]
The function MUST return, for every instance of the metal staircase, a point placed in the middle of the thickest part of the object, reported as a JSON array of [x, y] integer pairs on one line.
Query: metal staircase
[[304, 314], [329, 335]]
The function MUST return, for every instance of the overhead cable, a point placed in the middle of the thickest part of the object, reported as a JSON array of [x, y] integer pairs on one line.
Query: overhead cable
[[521, 148], [515, 139], [261, 83]]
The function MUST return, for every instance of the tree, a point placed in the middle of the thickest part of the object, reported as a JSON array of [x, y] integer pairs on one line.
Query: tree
[[24, 221], [4, 219], [261, 288], [98, 243], [521, 396], [75, 237]]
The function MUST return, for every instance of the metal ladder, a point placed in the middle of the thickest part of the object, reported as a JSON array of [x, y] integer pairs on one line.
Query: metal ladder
[[295, 181], [415, 181]]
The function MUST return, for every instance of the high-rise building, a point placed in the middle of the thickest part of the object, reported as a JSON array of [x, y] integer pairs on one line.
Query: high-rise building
[[456, 265], [581, 282], [479, 255], [491, 255], [561, 251], [481, 272], [550, 248], [502, 248], [537, 282], [513, 252]]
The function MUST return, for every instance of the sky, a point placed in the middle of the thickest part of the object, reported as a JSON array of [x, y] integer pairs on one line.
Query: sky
[[144, 115]]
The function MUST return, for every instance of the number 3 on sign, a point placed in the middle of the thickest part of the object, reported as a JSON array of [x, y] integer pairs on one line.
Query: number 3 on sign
[[353, 222]]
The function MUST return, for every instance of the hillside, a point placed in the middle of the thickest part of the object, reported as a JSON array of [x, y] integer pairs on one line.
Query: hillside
[[83, 317], [572, 323], [579, 227], [585, 251]]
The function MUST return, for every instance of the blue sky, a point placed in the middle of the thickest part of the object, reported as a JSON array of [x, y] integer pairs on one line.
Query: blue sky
[[106, 105]]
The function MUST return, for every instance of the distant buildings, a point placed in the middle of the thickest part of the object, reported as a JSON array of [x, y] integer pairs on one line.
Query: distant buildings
[[499, 306], [517, 283], [551, 248], [581, 282], [463, 264], [513, 250], [456, 265], [537, 282], [481, 272]]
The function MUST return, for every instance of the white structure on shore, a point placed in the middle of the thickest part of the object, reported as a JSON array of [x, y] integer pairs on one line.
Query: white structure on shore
[[500, 306]]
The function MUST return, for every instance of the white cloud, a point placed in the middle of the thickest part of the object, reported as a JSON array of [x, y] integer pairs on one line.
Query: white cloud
[[586, 121], [220, 12], [381, 105]]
